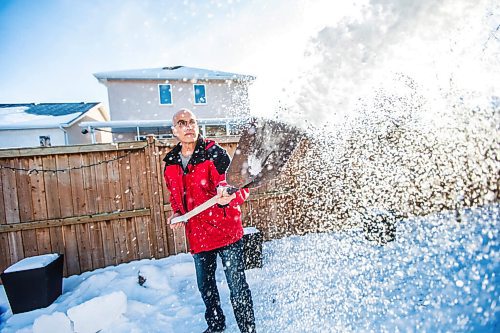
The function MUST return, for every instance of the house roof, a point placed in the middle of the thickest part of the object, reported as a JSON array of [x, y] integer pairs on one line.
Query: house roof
[[43, 115], [173, 73]]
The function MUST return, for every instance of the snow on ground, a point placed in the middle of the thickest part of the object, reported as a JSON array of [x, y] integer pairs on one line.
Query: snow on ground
[[438, 276]]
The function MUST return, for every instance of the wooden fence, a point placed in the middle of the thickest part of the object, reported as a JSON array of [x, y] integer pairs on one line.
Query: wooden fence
[[100, 205]]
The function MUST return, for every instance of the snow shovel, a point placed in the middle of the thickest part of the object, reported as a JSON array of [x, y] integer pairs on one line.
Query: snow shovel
[[262, 152]]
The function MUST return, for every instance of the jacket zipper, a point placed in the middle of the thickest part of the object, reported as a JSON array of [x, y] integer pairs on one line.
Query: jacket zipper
[[184, 201]]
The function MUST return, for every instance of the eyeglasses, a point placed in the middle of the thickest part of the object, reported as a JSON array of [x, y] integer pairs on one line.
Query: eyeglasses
[[184, 123]]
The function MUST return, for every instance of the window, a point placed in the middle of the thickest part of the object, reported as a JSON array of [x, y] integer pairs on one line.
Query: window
[[44, 141], [199, 94], [165, 91]]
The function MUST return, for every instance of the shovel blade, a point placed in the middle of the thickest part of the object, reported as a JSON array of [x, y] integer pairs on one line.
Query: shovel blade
[[262, 152]]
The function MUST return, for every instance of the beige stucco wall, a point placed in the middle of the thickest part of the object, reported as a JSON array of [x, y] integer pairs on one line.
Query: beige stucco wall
[[132, 100], [75, 135]]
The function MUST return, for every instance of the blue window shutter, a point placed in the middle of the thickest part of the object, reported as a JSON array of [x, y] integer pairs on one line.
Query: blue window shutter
[[165, 93], [199, 94]]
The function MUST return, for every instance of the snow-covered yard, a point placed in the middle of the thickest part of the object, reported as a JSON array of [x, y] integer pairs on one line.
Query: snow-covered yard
[[438, 276]]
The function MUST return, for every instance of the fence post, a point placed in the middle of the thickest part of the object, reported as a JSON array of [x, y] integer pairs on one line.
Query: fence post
[[153, 165]]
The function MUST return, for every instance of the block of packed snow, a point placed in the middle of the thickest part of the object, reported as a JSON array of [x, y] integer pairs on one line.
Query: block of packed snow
[[32, 262], [34, 282], [56, 322], [99, 313]]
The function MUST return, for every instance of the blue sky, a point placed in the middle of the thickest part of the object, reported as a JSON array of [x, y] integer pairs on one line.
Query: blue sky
[[318, 56], [50, 49]]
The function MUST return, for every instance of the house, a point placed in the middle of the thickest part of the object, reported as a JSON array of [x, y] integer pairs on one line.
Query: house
[[143, 101], [48, 124]]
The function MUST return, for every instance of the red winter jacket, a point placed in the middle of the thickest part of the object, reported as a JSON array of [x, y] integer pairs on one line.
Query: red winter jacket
[[217, 226]]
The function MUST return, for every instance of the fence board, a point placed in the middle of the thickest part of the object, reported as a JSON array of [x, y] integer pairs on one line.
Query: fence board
[[120, 233], [103, 202], [171, 238], [3, 220], [77, 186], [57, 242], [125, 183], [64, 186], [84, 248], [170, 235], [151, 178], [143, 238], [128, 189], [132, 247], [10, 195], [136, 190], [16, 246], [159, 216], [144, 177], [113, 182], [43, 241], [5, 257], [71, 254], [38, 190], [144, 170], [23, 185], [29, 243], [96, 245], [89, 183], [153, 239], [108, 243], [180, 240], [51, 188]]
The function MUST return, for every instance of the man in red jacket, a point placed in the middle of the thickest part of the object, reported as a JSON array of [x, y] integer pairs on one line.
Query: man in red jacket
[[194, 173]]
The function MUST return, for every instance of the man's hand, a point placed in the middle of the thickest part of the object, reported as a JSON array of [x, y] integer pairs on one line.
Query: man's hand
[[223, 197], [175, 226]]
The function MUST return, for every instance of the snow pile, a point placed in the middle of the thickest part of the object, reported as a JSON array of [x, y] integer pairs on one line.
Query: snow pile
[[439, 275], [153, 277]]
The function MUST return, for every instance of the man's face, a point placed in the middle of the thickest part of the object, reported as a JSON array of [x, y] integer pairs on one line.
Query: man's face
[[185, 127]]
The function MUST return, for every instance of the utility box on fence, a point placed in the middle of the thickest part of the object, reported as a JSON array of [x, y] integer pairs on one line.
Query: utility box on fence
[[252, 248], [380, 226], [33, 282]]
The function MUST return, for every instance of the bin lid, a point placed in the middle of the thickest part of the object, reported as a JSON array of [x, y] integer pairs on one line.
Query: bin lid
[[32, 262]]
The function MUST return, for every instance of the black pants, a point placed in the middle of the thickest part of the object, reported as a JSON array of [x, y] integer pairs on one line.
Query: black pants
[[241, 298]]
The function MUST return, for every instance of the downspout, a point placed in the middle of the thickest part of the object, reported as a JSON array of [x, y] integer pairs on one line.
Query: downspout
[[65, 134]]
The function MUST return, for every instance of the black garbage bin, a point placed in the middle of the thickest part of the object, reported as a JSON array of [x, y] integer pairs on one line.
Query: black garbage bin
[[252, 248], [33, 282]]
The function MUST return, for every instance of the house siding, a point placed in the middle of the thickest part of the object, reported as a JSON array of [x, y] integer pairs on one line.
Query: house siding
[[30, 137], [131, 100]]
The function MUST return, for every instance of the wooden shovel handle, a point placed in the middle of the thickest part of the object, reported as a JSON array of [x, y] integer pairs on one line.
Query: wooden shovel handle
[[204, 206]]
